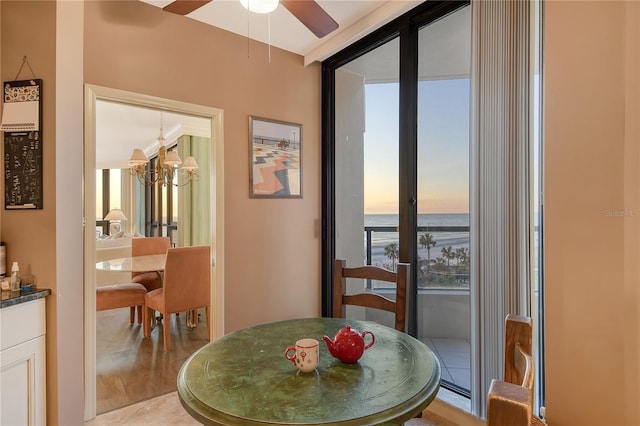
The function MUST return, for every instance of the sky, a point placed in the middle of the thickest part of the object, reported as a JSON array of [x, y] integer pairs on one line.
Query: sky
[[443, 147]]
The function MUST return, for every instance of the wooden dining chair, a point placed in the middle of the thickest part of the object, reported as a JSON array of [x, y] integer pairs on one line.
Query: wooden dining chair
[[371, 300], [144, 246], [186, 287], [510, 401]]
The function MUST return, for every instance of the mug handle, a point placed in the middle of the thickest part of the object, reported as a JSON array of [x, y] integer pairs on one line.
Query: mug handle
[[291, 358], [373, 339]]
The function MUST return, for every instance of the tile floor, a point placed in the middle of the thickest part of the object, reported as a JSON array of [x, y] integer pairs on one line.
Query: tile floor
[[167, 410], [455, 359]]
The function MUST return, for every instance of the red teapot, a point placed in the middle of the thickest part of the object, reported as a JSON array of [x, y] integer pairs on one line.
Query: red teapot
[[348, 344]]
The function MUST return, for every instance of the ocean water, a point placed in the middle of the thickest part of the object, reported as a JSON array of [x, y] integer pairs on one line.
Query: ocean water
[[443, 239]]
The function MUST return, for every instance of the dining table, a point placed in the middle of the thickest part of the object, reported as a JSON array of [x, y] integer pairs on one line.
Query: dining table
[[146, 263], [243, 378]]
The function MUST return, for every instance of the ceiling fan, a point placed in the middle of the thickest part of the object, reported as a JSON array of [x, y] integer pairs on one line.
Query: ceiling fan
[[309, 12]]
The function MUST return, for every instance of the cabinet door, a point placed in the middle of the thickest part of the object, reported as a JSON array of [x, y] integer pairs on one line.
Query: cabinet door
[[22, 384]]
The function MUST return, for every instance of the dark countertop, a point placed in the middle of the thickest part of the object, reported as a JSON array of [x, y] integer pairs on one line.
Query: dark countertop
[[12, 298]]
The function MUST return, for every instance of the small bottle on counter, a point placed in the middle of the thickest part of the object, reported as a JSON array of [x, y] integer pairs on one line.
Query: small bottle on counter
[[15, 277]]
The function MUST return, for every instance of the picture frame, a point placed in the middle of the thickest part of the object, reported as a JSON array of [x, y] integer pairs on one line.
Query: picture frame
[[275, 168]]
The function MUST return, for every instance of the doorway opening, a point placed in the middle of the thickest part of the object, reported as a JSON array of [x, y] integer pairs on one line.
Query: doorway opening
[[212, 226]]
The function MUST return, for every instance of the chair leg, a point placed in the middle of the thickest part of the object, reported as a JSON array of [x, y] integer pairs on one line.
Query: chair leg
[[192, 319], [166, 328], [139, 307], [146, 321], [132, 314], [206, 310]]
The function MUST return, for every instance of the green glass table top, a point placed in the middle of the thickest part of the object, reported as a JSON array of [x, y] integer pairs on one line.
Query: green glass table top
[[244, 378]]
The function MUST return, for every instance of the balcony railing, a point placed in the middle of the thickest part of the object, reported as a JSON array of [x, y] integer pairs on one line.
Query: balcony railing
[[442, 300], [450, 271]]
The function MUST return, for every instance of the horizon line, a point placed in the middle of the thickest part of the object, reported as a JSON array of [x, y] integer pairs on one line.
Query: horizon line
[[421, 213]]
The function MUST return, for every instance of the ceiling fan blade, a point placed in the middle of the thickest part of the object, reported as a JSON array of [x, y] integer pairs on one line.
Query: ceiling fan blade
[[184, 7], [311, 15]]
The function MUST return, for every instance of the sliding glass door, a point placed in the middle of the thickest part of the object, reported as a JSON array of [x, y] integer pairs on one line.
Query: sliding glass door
[[397, 176], [426, 160]]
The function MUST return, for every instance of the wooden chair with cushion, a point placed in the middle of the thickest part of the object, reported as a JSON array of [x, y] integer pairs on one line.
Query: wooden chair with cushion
[[371, 300], [186, 287], [510, 401], [145, 246]]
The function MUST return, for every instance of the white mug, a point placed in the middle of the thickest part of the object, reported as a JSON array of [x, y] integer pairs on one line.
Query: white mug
[[306, 354]]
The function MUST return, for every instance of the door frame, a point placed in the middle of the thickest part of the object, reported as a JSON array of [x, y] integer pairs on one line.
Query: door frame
[[216, 327]]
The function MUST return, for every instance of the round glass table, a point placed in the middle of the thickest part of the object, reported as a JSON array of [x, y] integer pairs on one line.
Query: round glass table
[[146, 263], [244, 378]]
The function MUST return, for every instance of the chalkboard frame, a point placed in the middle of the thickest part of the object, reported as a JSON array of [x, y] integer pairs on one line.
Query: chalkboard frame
[[18, 155]]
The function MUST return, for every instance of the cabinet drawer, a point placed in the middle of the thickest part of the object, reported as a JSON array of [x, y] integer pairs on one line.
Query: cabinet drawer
[[21, 323]]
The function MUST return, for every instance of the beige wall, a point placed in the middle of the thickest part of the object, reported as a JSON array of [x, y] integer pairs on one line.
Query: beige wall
[[591, 171], [30, 235]]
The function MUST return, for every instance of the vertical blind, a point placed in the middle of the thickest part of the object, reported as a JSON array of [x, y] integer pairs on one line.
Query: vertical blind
[[500, 186]]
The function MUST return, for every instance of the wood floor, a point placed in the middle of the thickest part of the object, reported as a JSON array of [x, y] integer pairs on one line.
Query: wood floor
[[130, 368]]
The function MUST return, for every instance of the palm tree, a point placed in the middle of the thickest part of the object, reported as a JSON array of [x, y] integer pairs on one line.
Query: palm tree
[[426, 241], [462, 254], [440, 265], [447, 253], [392, 252]]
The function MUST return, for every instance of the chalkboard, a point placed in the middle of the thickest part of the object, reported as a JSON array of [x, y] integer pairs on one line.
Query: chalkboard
[[23, 170], [23, 151]]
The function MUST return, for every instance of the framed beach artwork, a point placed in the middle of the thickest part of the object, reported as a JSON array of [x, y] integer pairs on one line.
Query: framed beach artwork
[[276, 159]]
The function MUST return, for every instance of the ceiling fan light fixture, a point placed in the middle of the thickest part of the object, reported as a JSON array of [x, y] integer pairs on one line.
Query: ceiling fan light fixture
[[260, 6]]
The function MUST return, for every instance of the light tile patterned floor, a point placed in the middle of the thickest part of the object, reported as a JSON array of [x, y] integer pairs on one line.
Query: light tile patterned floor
[[167, 410], [455, 359]]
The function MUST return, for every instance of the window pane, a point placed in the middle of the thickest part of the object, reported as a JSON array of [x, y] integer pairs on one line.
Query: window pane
[[443, 195], [99, 194], [366, 167], [537, 282], [115, 188]]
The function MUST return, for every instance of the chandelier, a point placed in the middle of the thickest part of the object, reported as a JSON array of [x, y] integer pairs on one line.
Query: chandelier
[[166, 166]]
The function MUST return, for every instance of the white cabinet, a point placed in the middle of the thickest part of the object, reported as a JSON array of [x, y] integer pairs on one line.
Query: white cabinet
[[22, 364]]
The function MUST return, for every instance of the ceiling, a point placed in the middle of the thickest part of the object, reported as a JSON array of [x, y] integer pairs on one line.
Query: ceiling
[[121, 127], [355, 18]]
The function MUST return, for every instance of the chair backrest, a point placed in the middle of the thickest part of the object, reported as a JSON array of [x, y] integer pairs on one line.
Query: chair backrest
[[510, 401], [518, 361], [187, 278], [371, 300], [148, 245]]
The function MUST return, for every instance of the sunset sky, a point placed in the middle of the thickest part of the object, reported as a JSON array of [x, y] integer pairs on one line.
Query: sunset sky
[[443, 147]]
